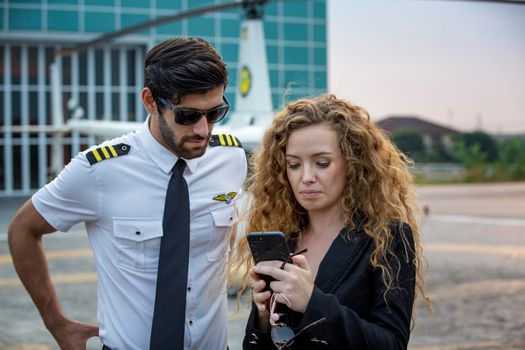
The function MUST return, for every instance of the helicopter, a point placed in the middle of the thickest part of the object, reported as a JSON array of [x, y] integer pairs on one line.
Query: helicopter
[[252, 110]]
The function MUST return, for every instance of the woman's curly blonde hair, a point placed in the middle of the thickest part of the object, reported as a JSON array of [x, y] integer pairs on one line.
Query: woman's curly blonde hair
[[379, 186]]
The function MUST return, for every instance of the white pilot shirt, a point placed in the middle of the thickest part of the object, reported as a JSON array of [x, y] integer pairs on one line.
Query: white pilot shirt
[[121, 200]]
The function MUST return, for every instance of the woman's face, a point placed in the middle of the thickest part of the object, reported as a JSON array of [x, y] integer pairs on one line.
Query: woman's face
[[315, 167]]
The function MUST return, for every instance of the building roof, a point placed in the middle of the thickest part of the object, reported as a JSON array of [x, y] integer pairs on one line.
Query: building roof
[[392, 124]]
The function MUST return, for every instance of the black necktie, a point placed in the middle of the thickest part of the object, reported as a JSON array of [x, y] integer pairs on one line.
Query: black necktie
[[172, 277]]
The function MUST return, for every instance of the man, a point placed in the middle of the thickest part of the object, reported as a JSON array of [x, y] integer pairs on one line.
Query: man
[[132, 193]]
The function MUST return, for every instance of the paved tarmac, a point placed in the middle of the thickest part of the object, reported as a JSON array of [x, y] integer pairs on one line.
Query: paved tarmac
[[474, 239]]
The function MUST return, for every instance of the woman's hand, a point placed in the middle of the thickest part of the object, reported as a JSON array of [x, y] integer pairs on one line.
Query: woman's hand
[[295, 281], [261, 299]]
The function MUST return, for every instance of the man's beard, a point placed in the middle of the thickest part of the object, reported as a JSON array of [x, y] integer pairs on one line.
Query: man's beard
[[176, 146]]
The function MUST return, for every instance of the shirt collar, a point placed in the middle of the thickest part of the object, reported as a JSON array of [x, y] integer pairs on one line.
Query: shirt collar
[[163, 157]]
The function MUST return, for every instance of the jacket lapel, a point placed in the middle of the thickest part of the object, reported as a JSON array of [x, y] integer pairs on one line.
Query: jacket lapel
[[340, 258]]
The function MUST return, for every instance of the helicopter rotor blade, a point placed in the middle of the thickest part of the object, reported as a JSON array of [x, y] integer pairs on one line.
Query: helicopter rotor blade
[[159, 21]]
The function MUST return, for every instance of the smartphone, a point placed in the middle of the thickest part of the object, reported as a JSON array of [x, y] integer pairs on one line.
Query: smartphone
[[268, 246]]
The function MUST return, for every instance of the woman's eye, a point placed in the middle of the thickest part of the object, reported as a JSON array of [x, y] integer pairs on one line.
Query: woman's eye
[[293, 165], [323, 164]]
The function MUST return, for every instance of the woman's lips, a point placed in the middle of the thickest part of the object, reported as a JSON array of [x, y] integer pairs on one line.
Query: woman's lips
[[309, 193]]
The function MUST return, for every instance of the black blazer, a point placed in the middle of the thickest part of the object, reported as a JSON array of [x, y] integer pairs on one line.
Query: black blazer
[[349, 293]]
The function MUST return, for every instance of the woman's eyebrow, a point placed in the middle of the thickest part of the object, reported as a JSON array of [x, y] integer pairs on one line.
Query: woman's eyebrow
[[324, 153]]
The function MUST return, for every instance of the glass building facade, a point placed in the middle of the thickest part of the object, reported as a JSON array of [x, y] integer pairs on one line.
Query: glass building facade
[[106, 80]]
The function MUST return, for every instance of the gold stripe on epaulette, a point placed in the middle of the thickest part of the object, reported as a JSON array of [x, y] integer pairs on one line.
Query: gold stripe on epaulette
[[113, 151], [97, 156], [105, 152], [224, 140]]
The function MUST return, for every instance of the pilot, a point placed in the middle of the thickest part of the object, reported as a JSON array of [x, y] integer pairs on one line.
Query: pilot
[[157, 204]]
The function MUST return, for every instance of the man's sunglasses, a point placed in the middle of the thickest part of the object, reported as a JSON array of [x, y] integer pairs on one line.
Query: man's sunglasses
[[189, 116]]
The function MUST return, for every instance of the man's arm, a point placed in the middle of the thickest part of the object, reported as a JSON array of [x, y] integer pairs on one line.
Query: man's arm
[[25, 243]]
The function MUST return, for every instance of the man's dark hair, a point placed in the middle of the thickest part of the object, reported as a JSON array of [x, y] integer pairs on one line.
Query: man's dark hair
[[181, 66]]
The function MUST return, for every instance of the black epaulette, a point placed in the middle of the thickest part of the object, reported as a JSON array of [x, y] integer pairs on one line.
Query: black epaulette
[[224, 140], [105, 152]]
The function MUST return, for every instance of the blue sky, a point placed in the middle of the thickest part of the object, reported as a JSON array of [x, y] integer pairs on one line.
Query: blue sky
[[459, 63]]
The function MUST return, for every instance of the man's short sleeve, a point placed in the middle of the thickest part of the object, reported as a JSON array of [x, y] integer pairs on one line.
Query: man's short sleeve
[[71, 197]]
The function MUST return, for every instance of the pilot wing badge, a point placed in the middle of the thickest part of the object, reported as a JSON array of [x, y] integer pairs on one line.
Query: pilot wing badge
[[105, 152], [226, 198], [224, 140]]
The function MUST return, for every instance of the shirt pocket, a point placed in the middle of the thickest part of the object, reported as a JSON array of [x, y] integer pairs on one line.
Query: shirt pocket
[[218, 239], [138, 242]]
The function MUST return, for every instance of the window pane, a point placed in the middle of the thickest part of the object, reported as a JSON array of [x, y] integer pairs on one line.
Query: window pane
[[15, 65], [295, 31], [99, 67], [66, 70], [33, 65], [63, 21], [83, 102], [296, 55], [2, 119], [320, 56], [200, 26], [24, 19], [82, 68], [320, 80], [115, 68], [100, 2], [132, 115], [127, 20], [99, 22], [99, 102], [50, 57], [1, 65], [115, 106], [168, 4], [320, 33], [136, 3], [230, 52], [33, 173], [33, 108], [296, 78], [15, 107], [295, 8], [131, 67], [48, 108], [2, 168], [17, 167], [273, 54]]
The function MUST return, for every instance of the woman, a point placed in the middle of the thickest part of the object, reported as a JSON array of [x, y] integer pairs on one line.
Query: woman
[[328, 178]]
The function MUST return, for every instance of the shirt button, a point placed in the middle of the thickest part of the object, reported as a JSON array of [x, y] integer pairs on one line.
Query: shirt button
[[137, 231], [189, 288], [190, 322]]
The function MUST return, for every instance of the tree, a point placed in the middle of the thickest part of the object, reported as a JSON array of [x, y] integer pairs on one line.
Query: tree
[[487, 145], [512, 157], [409, 142]]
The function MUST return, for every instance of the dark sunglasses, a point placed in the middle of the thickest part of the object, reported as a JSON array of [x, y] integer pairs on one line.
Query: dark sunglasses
[[282, 335], [188, 116]]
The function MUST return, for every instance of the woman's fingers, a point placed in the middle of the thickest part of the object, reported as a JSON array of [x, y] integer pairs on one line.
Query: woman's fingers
[[301, 262], [270, 270], [258, 286], [254, 275], [262, 297]]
